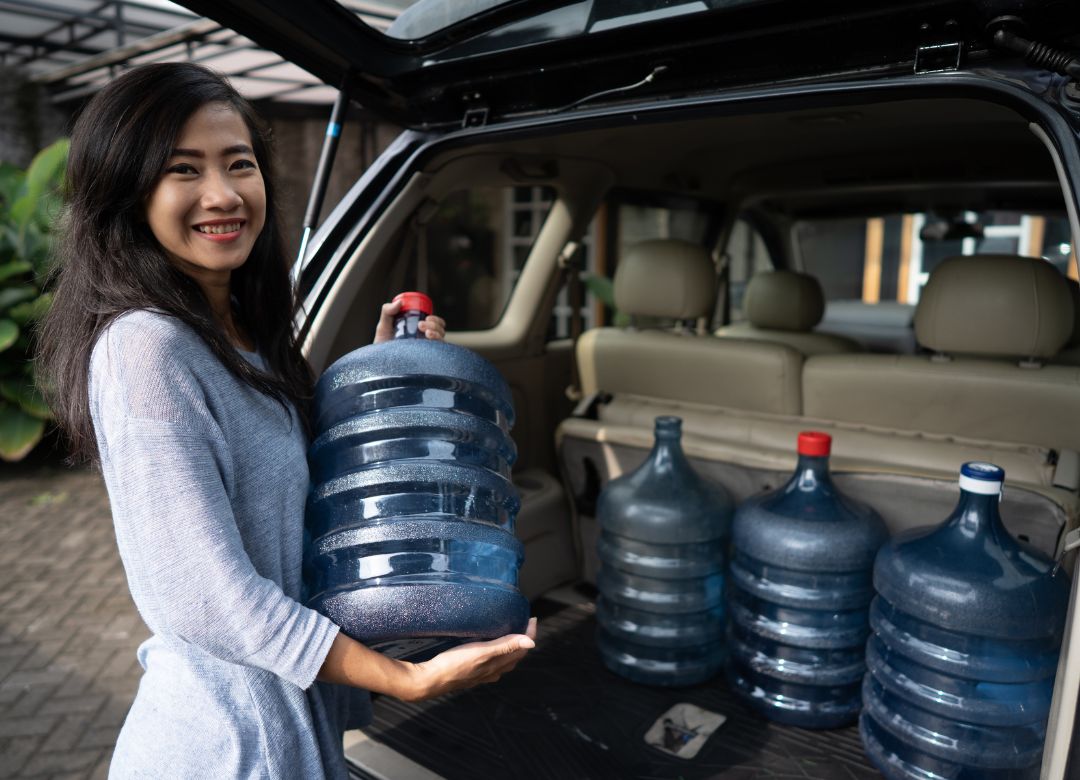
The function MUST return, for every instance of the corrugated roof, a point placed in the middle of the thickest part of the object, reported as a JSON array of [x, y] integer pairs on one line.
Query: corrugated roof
[[75, 46]]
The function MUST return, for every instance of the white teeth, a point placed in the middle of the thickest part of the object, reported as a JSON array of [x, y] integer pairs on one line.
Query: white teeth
[[230, 227]]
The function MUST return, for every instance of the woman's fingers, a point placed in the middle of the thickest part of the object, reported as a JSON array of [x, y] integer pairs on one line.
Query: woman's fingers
[[384, 331], [434, 327], [475, 663]]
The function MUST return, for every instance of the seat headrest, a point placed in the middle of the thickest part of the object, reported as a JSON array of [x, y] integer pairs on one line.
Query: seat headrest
[[1001, 305], [784, 300], [1074, 291], [665, 278]]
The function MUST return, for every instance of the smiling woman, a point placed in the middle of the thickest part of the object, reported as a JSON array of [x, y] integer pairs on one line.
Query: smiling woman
[[171, 360], [209, 206]]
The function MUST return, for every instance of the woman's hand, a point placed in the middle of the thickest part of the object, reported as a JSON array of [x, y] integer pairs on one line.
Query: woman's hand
[[351, 663], [468, 665], [432, 327]]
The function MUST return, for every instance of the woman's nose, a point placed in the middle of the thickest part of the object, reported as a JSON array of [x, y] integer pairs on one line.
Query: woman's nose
[[219, 193]]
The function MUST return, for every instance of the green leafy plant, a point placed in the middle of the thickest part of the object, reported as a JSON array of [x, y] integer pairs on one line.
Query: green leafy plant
[[29, 204], [603, 289]]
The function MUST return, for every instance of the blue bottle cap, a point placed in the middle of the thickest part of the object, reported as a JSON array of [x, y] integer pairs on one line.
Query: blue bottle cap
[[981, 477]]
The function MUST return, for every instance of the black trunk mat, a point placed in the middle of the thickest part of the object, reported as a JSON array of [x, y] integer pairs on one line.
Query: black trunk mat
[[561, 715]]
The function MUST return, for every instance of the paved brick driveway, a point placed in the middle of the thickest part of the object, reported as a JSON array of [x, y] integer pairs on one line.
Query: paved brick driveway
[[68, 628]]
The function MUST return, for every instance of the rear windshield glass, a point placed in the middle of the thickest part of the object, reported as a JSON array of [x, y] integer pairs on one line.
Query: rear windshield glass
[[889, 258]]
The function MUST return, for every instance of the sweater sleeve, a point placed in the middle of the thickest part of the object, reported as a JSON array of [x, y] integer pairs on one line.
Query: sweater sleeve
[[168, 469]]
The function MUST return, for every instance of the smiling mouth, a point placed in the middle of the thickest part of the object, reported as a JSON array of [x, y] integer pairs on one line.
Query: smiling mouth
[[217, 230]]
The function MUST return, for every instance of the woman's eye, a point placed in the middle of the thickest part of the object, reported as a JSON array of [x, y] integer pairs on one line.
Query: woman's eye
[[242, 165], [182, 168]]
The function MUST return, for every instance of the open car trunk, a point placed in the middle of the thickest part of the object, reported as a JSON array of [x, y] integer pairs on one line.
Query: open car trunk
[[563, 714]]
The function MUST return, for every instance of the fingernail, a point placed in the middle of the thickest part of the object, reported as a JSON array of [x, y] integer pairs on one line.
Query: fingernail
[[524, 643]]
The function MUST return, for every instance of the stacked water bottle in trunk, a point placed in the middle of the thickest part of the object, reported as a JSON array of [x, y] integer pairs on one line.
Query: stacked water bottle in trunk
[[945, 638]]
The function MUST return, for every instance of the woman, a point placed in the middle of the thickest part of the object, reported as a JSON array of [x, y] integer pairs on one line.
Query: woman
[[171, 361]]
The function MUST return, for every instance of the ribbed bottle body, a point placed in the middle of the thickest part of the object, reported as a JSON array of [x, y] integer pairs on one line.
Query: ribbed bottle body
[[967, 626], [411, 513], [799, 593], [660, 610]]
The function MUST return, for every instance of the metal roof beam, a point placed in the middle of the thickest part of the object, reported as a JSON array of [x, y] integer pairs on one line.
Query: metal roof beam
[[35, 43], [56, 13], [193, 30], [74, 38]]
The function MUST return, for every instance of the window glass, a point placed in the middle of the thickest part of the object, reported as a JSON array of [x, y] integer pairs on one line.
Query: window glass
[[470, 254], [641, 223], [420, 19], [889, 258]]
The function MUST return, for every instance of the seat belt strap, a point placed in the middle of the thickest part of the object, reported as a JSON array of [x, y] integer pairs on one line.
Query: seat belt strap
[[570, 269]]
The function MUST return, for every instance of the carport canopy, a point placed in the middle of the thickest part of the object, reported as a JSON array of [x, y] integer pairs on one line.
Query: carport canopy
[[74, 47]]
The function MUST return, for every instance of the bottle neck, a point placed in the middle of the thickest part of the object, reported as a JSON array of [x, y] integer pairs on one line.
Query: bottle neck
[[667, 450], [407, 325], [811, 473], [977, 514]]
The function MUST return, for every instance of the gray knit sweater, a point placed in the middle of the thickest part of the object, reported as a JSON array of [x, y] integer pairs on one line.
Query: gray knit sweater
[[207, 479]]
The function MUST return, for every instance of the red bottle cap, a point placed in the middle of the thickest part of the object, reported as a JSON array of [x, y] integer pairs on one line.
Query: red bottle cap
[[414, 301], [815, 444]]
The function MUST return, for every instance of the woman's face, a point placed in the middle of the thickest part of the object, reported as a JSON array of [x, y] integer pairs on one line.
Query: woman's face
[[209, 205]]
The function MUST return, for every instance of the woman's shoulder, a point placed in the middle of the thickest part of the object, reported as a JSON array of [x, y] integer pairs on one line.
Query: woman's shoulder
[[150, 336], [152, 361]]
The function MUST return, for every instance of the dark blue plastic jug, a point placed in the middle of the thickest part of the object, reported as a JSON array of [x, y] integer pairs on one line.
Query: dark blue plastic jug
[[799, 594], [411, 514], [663, 530], [967, 626]]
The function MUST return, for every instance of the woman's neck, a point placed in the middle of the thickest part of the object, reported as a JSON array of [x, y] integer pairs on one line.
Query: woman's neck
[[219, 297]]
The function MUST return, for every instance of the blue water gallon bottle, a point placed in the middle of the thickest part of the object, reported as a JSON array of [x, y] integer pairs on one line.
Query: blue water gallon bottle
[[411, 514], [967, 625], [660, 610], [799, 595]]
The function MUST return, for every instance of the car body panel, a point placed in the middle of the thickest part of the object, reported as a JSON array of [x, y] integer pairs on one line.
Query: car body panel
[[449, 78]]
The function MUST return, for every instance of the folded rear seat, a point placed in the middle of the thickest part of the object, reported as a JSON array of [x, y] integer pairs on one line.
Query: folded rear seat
[[902, 425]]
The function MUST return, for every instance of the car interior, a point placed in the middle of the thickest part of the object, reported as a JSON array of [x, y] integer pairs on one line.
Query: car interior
[[897, 273]]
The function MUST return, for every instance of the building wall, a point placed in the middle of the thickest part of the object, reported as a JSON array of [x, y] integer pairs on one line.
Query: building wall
[[28, 120], [298, 143]]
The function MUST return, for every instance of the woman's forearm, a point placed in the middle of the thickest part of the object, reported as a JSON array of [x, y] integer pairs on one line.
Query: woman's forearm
[[351, 663], [473, 663]]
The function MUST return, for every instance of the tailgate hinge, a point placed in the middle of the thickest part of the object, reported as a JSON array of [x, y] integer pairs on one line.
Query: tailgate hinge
[[477, 116], [938, 57], [941, 48]]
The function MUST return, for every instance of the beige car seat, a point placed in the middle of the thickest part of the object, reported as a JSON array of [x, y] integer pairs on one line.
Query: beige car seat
[[1070, 353], [672, 279], [784, 307], [994, 323]]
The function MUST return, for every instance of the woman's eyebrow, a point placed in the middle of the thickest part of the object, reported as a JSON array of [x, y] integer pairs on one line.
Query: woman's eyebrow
[[234, 149]]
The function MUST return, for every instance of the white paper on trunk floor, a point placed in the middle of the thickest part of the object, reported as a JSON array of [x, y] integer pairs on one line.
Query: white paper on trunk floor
[[683, 730]]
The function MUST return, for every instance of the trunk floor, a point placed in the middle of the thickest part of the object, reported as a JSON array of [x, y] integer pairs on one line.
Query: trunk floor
[[561, 714]]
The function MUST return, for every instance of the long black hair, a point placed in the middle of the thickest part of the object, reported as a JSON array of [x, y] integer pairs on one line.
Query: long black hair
[[108, 262]]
